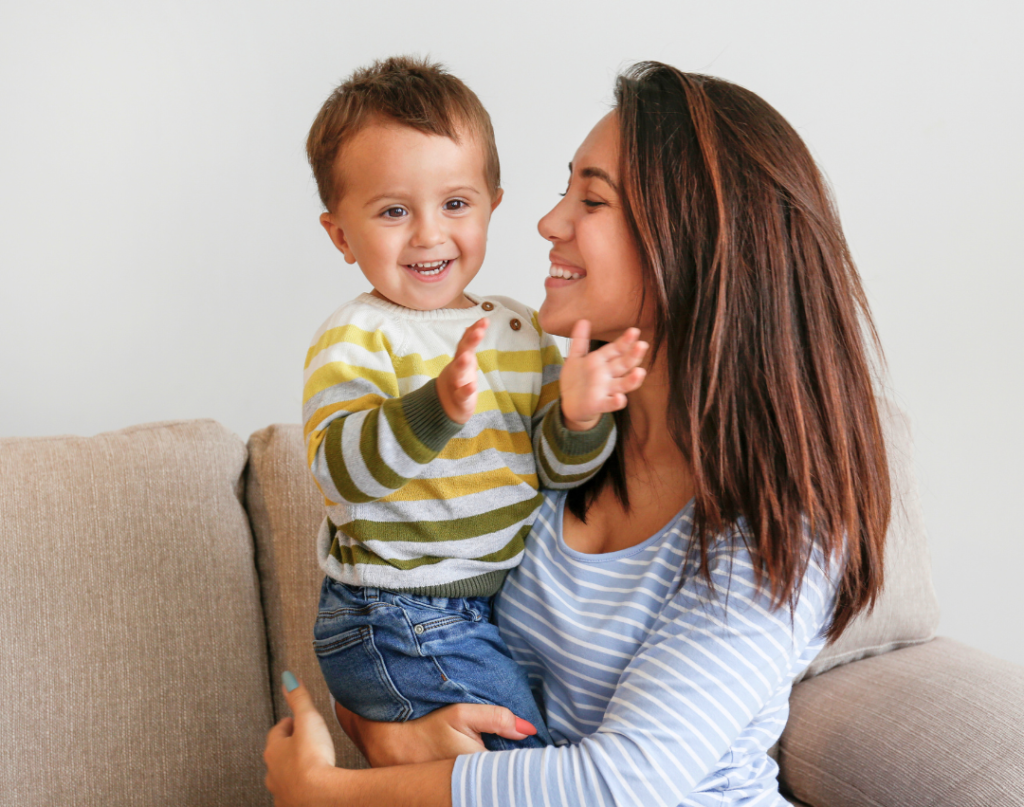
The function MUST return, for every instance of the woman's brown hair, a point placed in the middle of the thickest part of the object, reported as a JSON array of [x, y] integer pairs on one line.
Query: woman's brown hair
[[764, 326]]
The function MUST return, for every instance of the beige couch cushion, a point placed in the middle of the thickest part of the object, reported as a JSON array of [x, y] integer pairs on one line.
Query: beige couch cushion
[[286, 511], [133, 669], [907, 612], [939, 725]]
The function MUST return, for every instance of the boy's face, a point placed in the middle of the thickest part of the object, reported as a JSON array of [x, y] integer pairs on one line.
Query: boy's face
[[413, 214]]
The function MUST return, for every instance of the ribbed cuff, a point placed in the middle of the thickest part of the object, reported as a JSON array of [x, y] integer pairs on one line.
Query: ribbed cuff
[[576, 444], [426, 417]]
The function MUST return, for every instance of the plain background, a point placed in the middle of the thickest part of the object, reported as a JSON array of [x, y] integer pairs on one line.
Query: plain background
[[162, 259]]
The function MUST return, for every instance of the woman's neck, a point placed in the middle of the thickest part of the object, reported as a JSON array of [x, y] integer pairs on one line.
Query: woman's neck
[[648, 408]]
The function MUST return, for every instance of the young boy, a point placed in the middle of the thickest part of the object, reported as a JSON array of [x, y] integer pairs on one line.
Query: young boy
[[432, 415]]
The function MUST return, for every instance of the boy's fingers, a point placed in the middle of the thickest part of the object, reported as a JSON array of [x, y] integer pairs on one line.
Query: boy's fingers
[[628, 382], [625, 362], [461, 394], [580, 344], [472, 336], [465, 370], [623, 346]]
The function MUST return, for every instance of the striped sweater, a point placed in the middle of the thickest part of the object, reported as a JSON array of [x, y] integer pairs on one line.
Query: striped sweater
[[416, 502], [657, 690]]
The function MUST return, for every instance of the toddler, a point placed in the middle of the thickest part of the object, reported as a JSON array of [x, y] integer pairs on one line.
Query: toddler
[[432, 415]]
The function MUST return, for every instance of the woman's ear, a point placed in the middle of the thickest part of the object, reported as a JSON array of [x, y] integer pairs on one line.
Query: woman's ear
[[337, 236]]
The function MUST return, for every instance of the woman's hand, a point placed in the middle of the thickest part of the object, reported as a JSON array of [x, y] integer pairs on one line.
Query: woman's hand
[[594, 383], [443, 734], [299, 753]]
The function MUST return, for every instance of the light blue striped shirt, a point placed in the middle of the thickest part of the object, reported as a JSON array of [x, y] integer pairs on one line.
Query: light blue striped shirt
[[658, 692]]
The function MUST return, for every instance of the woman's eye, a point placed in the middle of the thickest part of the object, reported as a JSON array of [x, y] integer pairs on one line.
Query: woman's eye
[[592, 203], [394, 213], [456, 204]]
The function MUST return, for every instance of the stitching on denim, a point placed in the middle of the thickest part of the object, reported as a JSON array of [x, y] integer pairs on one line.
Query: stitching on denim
[[340, 642]]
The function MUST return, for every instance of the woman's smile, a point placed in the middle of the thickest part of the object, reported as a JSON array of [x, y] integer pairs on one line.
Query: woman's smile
[[563, 273]]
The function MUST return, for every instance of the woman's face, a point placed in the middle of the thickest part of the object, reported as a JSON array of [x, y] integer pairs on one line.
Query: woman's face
[[595, 268]]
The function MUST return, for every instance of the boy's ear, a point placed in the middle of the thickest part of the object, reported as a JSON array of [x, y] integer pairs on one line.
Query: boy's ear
[[497, 199], [337, 236]]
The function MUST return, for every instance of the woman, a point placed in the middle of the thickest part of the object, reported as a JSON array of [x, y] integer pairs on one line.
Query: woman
[[664, 609]]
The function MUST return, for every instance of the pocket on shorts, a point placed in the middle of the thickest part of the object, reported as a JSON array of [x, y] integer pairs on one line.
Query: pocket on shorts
[[358, 677]]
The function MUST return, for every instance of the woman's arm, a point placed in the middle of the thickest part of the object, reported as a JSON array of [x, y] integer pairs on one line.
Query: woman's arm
[[445, 733], [707, 688], [300, 769]]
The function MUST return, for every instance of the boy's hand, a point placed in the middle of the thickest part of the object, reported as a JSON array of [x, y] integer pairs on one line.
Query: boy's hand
[[456, 386], [594, 383]]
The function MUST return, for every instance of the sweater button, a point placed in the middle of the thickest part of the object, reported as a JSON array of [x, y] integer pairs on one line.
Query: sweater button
[[515, 325], [487, 306]]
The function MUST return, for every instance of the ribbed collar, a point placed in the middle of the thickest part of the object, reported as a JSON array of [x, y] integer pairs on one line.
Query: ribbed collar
[[400, 311]]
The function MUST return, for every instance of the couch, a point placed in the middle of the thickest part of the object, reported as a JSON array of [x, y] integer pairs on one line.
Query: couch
[[157, 580]]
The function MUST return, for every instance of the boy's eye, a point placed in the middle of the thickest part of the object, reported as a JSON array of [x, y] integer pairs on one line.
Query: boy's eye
[[456, 204], [394, 213]]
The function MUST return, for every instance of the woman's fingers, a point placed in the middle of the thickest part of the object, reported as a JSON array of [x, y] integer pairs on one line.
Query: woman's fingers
[[283, 728], [488, 719], [309, 727]]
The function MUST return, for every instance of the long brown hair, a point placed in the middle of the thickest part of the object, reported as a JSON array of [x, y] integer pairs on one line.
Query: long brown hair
[[764, 326]]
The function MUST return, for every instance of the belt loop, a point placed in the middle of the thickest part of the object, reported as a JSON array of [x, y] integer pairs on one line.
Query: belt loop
[[371, 593]]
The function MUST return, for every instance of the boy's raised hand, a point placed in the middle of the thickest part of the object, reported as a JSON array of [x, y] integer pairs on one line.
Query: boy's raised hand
[[456, 385], [594, 383]]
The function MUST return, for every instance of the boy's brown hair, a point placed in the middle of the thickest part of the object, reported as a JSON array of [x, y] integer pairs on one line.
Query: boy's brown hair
[[407, 90]]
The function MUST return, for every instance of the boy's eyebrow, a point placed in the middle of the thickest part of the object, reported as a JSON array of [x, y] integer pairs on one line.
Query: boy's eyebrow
[[597, 173], [398, 195]]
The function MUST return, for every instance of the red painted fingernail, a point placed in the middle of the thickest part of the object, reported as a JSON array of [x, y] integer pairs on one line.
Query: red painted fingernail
[[525, 727]]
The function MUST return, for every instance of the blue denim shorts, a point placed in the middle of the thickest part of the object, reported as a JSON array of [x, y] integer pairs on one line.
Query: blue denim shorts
[[394, 656]]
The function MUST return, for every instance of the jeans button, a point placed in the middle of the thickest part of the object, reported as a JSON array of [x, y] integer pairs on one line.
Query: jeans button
[[418, 629]]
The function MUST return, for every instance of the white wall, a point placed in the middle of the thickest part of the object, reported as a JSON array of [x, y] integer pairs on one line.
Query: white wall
[[161, 256]]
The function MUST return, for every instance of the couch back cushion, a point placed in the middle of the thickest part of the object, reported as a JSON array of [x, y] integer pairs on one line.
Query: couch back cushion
[[907, 612], [286, 510], [133, 669]]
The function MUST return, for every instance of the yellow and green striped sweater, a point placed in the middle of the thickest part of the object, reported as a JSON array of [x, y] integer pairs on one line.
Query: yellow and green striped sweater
[[416, 502]]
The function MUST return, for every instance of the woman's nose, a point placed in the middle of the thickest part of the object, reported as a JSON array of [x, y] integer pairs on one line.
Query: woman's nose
[[555, 226]]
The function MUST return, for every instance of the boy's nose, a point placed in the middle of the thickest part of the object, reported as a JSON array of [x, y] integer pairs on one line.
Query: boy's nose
[[429, 232]]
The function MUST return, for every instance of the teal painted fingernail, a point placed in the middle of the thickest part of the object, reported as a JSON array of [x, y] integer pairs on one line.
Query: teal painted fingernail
[[289, 681]]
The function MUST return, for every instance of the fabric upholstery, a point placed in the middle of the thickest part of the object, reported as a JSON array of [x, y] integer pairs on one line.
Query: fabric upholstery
[[286, 510], [907, 612], [938, 725], [133, 668]]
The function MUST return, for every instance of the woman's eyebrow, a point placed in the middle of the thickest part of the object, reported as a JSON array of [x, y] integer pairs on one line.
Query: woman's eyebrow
[[597, 173]]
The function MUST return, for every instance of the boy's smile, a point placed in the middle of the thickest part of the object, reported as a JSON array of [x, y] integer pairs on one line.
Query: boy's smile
[[413, 213]]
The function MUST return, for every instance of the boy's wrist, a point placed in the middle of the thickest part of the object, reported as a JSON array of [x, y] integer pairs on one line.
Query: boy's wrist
[[427, 417], [572, 424], [578, 425]]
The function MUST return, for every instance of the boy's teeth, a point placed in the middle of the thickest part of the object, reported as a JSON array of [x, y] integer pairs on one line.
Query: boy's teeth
[[431, 268], [560, 271]]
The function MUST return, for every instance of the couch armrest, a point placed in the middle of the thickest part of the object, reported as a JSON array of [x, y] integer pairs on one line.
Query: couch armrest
[[940, 724]]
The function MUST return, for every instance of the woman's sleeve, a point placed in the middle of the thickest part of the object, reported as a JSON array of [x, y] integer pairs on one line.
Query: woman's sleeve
[[711, 663]]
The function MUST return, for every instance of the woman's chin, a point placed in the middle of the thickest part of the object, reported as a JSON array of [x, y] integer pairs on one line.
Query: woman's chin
[[553, 321]]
